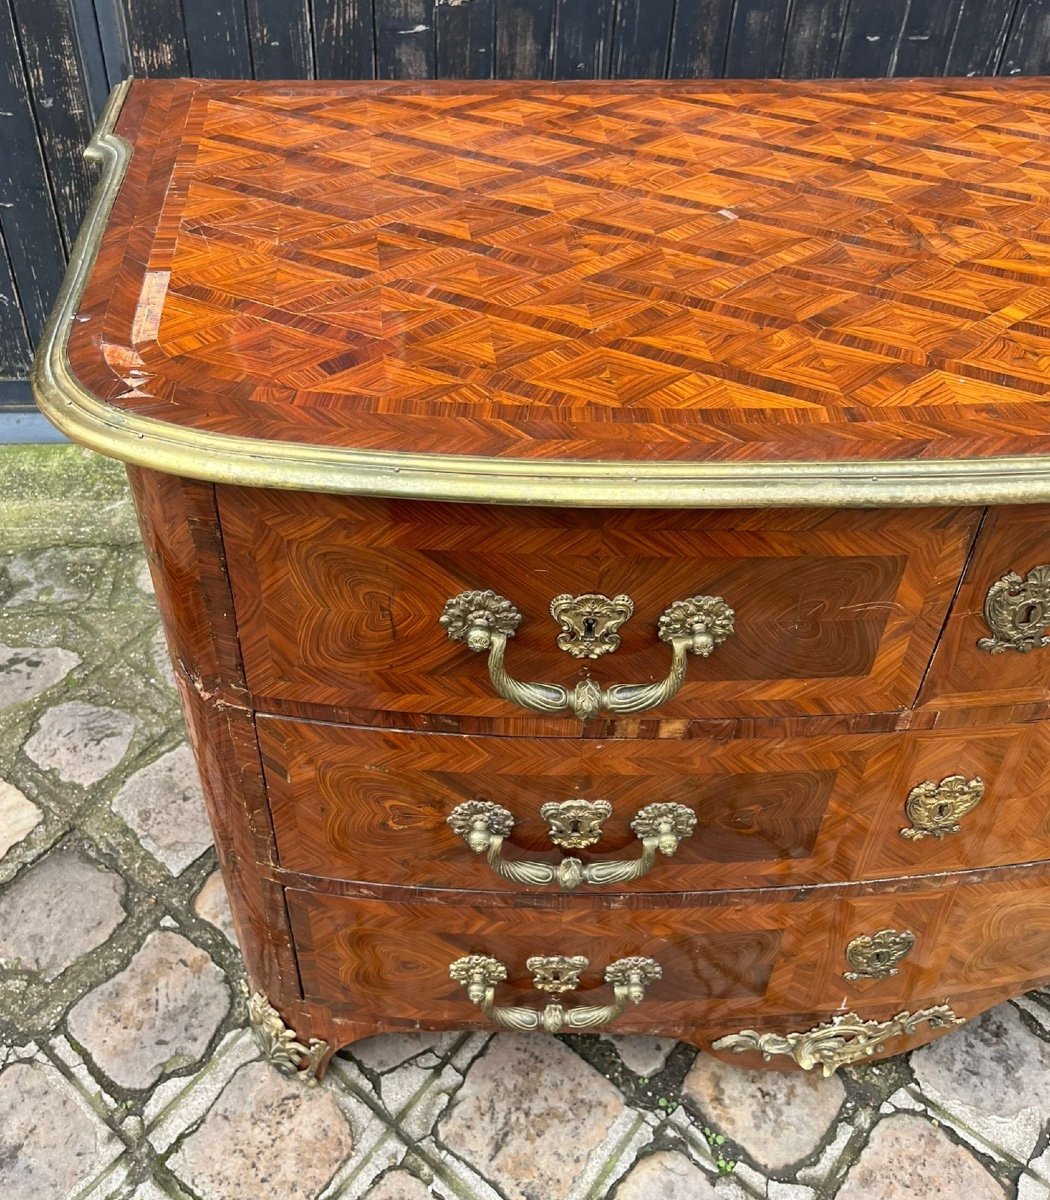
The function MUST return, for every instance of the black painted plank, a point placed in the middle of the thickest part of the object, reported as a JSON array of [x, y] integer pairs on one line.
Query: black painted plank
[[113, 34], [641, 39], [344, 46], [15, 352], [466, 39], [870, 38], [58, 95], [927, 38], [156, 38], [279, 31], [699, 37], [980, 33], [583, 39], [405, 42], [813, 39], [92, 59], [524, 39], [217, 38], [30, 227], [1027, 49], [756, 39]]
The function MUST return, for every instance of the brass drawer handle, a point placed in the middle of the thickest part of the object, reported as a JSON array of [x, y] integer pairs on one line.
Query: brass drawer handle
[[659, 827], [484, 621], [555, 975], [845, 1039], [1017, 611]]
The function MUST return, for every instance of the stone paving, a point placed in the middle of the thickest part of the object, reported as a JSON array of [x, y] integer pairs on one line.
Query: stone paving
[[126, 1071]]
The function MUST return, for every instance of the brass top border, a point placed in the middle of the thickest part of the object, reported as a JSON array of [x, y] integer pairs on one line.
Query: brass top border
[[221, 458]]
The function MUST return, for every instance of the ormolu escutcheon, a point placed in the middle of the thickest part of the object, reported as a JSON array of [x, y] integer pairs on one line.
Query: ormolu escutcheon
[[484, 620], [589, 623], [554, 974], [1018, 612], [876, 955], [935, 809], [576, 823]]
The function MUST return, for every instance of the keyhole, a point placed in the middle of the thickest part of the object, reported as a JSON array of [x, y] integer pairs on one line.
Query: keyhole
[[1032, 613], [589, 624], [576, 827], [945, 810]]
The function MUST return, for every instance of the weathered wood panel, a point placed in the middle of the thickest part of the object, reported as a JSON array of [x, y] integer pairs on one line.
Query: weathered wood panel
[[28, 222], [813, 39], [405, 42], [981, 27], [217, 39], [156, 37], [14, 336], [466, 39], [756, 39], [1027, 49], [343, 39], [58, 94], [583, 40], [524, 39], [67, 54], [870, 38], [281, 45], [641, 39], [698, 39], [926, 38]]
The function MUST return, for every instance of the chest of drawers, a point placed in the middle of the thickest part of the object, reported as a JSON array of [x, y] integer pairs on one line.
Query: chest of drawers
[[602, 538]]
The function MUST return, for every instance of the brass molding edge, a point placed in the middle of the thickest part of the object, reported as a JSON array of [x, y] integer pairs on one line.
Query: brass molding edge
[[222, 458], [280, 1045]]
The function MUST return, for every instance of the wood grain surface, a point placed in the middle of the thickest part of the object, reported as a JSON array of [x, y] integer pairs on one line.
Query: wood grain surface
[[724, 964], [338, 600], [688, 271], [372, 805], [351, 896], [181, 535], [964, 676]]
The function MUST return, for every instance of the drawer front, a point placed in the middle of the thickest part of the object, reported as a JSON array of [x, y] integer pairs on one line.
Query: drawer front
[[1002, 657], [374, 805], [338, 601], [368, 956]]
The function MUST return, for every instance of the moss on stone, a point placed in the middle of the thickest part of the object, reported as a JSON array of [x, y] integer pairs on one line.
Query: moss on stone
[[62, 495]]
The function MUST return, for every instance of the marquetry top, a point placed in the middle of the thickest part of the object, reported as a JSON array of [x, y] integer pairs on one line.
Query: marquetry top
[[545, 286]]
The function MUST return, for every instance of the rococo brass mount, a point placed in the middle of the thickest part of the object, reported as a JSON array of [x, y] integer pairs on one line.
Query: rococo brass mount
[[876, 955], [935, 809], [281, 1046], [576, 823], [659, 827], [846, 1039], [484, 620], [589, 622], [1018, 612], [555, 975]]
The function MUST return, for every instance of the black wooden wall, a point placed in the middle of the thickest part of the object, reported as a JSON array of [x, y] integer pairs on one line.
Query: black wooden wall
[[60, 57]]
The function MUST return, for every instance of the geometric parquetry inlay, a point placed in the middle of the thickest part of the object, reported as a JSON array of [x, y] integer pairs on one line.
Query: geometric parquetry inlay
[[685, 270]]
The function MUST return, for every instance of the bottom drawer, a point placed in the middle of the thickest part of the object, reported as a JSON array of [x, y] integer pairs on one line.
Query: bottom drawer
[[387, 961]]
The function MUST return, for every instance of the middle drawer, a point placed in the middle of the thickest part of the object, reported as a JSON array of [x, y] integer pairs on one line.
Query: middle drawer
[[373, 805]]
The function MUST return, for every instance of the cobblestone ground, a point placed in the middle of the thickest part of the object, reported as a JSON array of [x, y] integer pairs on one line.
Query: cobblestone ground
[[126, 1072]]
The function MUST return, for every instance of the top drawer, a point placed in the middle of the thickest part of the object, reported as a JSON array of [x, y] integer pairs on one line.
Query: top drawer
[[338, 600]]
